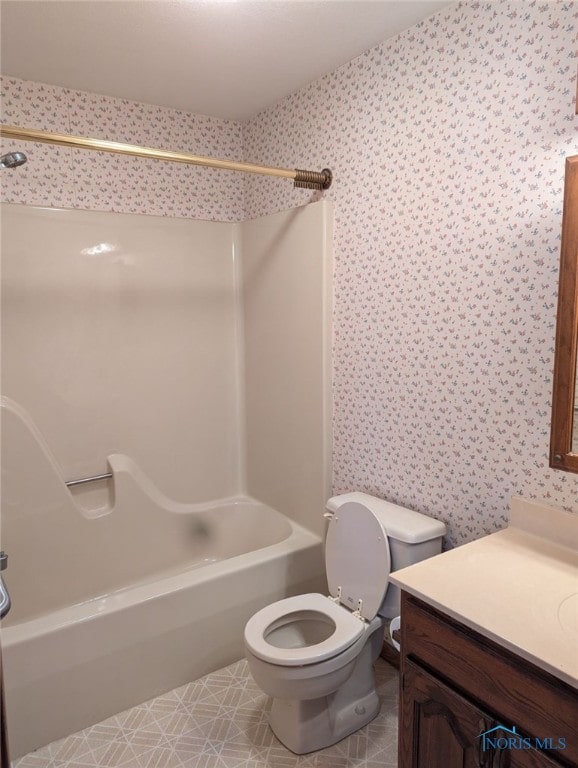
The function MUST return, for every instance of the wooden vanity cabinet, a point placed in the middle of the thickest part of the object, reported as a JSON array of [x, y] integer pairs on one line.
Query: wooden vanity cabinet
[[456, 684]]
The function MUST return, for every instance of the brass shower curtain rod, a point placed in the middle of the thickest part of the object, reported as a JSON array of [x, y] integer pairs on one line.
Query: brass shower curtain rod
[[304, 179]]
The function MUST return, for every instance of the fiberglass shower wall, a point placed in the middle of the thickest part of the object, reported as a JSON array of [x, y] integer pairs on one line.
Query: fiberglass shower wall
[[118, 336], [138, 335], [287, 299]]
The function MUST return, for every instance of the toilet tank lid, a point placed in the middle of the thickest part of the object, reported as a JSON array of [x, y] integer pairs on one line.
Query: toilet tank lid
[[400, 523]]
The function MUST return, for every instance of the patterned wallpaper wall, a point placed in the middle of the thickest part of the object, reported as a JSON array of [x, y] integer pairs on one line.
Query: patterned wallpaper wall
[[72, 178], [447, 144]]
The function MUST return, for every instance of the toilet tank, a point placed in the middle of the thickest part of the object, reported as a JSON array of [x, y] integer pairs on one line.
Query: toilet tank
[[412, 537]]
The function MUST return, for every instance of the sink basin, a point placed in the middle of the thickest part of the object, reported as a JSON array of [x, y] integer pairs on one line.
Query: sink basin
[[568, 614]]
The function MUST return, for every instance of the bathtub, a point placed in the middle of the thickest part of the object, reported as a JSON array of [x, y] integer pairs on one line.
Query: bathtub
[[132, 598], [80, 664]]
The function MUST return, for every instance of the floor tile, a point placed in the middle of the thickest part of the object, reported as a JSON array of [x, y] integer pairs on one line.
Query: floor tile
[[219, 721]]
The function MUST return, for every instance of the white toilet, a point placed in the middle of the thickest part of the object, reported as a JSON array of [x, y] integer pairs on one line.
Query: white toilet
[[313, 654]]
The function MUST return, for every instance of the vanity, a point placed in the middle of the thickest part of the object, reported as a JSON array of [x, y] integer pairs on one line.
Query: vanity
[[489, 649]]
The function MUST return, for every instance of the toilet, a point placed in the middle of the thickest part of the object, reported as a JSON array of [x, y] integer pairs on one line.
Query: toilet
[[314, 654]]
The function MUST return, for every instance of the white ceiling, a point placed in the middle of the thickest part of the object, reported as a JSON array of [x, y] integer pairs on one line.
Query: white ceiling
[[227, 58]]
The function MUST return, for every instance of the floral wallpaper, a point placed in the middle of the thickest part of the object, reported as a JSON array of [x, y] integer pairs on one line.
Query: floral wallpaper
[[74, 178], [447, 145]]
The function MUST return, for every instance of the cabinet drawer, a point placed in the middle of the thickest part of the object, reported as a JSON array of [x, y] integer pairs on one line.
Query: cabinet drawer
[[513, 690]]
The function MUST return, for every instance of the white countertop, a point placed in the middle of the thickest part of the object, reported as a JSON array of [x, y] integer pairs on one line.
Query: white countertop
[[518, 587]]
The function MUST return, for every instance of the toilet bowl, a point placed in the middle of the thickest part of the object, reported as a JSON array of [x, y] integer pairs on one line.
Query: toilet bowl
[[314, 654]]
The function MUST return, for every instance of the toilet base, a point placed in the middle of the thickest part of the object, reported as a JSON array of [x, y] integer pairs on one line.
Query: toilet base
[[312, 724]]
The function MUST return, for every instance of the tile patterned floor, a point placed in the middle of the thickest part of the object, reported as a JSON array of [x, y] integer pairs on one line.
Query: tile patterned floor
[[219, 721]]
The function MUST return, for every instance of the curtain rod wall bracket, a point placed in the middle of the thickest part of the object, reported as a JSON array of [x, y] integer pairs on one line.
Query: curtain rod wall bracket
[[313, 179]]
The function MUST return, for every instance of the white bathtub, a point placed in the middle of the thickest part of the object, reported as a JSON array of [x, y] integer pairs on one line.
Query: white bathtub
[[78, 665], [115, 604]]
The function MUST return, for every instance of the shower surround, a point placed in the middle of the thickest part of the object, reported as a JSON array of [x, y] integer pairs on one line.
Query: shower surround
[[184, 358]]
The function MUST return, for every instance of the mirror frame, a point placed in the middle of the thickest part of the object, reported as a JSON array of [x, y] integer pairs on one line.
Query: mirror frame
[[561, 456]]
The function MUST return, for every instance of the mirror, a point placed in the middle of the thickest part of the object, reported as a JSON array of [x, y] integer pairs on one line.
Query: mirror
[[564, 436]]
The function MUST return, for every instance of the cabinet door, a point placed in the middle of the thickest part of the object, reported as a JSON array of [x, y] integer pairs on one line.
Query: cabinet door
[[531, 758], [439, 728]]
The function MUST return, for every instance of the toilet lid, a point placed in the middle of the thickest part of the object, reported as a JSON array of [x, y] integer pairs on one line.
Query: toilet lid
[[347, 629], [357, 558]]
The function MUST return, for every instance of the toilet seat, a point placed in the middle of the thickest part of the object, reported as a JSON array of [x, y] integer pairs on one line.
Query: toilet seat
[[348, 629]]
